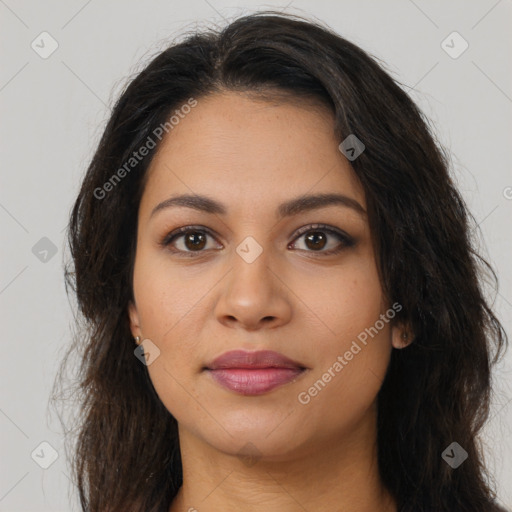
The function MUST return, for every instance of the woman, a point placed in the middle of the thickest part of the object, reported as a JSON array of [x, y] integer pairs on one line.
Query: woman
[[283, 306]]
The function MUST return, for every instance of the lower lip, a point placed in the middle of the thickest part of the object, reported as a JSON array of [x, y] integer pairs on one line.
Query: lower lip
[[254, 382]]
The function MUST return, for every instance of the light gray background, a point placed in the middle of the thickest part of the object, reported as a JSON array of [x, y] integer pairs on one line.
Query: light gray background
[[53, 111]]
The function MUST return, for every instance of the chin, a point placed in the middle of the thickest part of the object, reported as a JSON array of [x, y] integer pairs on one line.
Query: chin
[[269, 438]]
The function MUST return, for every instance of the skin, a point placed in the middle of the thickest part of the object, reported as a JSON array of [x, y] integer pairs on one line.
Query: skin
[[252, 155]]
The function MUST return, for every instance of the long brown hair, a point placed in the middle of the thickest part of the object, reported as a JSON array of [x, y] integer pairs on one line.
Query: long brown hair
[[436, 391]]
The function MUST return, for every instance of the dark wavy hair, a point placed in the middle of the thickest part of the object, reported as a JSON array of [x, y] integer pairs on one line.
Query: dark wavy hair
[[436, 391]]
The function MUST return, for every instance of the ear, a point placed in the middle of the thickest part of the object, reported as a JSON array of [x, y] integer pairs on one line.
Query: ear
[[134, 320], [401, 336]]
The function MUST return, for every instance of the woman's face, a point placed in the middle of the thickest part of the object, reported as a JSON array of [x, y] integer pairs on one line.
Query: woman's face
[[258, 274]]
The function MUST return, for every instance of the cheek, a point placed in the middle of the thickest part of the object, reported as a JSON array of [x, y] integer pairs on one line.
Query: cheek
[[168, 309], [349, 373], [353, 354], [347, 301], [166, 297], [173, 307]]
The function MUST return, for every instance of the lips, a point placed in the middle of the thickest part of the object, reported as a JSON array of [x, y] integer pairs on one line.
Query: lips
[[253, 373], [259, 359]]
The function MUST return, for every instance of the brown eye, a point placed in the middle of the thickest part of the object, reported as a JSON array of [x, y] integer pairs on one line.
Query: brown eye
[[316, 240], [187, 240], [194, 240], [318, 236]]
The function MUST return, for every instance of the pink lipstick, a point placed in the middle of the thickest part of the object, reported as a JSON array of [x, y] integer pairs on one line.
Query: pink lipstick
[[253, 373]]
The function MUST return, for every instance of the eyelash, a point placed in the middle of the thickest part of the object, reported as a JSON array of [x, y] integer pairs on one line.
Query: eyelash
[[346, 240]]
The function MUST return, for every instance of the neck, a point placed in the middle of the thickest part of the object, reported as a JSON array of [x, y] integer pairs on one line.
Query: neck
[[340, 473]]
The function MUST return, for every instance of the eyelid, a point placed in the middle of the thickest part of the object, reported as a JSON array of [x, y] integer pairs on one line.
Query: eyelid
[[322, 227]]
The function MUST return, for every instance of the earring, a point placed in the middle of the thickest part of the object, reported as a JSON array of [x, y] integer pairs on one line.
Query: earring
[[407, 338], [137, 340]]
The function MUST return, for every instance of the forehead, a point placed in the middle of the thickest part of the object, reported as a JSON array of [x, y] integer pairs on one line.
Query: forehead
[[239, 148]]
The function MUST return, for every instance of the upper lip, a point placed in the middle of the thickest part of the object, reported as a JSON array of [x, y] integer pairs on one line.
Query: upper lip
[[258, 359]]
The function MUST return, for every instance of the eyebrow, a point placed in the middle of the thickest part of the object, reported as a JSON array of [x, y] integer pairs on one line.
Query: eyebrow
[[287, 209]]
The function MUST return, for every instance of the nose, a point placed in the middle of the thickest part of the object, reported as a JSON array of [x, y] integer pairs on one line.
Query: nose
[[253, 296]]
